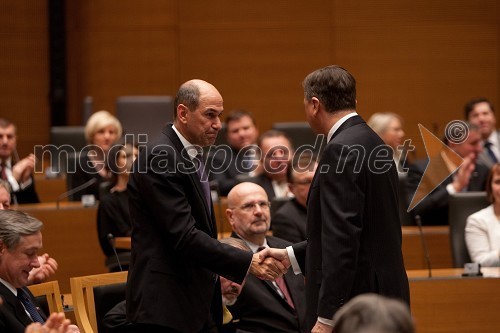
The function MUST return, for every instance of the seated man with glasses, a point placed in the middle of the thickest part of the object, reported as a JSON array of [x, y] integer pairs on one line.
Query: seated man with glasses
[[289, 221], [263, 306]]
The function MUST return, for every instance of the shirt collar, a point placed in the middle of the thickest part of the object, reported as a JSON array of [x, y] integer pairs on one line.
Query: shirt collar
[[336, 126], [9, 286], [191, 149], [493, 138], [254, 247]]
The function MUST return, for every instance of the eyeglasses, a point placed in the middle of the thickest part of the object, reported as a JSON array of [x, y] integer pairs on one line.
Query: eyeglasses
[[250, 206]]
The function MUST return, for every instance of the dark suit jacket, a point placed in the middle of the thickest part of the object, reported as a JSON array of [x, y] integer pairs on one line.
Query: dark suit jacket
[[83, 172], [289, 222], [26, 195], [266, 183], [226, 167], [13, 317], [433, 209], [353, 228], [176, 259], [260, 308]]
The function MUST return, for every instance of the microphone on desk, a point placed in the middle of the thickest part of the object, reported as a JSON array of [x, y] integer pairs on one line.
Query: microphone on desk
[[75, 190], [111, 240], [418, 220]]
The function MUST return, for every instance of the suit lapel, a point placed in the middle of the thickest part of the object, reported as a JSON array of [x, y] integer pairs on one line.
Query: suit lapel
[[354, 120], [193, 176], [11, 301]]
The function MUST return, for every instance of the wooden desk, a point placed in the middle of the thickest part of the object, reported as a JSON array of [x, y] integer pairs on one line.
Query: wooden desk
[[70, 236], [450, 303], [438, 244], [436, 237], [49, 189], [123, 243]]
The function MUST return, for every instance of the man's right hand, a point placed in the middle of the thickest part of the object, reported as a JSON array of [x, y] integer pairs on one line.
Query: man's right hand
[[269, 263], [267, 268], [462, 176], [23, 169]]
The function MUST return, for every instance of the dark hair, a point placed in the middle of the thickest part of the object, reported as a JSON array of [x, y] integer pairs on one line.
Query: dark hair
[[4, 123], [238, 114], [301, 163], [274, 134], [495, 169], [470, 127], [470, 105], [334, 86], [189, 95], [112, 157]]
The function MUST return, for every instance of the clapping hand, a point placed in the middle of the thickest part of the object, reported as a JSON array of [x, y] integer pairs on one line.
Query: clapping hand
[[56, 323], [48, 267], [23, 169]]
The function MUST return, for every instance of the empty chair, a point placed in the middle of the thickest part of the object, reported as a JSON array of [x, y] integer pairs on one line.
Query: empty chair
[[461, 206], [144, 114], [48, 295], [65, 141], [94, 295], [302, 135]]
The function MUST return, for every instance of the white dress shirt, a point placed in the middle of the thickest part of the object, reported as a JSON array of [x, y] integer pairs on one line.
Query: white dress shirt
[[482, 235]]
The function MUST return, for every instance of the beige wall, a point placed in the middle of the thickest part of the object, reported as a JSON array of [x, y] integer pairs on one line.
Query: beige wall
[[422, 59]]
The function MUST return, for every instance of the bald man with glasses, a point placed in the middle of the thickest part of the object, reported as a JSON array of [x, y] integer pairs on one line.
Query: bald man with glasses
[[263, 306]]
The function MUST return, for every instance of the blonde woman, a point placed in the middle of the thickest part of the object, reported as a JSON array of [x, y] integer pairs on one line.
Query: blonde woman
[[101, 132], [389, 126]]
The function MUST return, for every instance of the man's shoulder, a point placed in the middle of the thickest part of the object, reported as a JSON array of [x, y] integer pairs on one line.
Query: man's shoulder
[[277, 242]]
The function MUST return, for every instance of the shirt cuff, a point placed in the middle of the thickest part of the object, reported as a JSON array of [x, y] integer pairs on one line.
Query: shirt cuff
[[293, 260], [26, 183], [451, 189], [325, 321]]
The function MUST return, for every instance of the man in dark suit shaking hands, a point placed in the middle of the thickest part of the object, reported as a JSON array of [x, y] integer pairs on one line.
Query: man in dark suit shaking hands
[[353, 229], [173, 281]]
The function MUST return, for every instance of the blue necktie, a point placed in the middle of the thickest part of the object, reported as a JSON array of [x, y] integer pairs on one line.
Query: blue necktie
[[490, 152], [29, 306]]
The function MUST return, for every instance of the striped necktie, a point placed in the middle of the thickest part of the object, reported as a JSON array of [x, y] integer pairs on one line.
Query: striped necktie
[[281, 285], [23, 296]]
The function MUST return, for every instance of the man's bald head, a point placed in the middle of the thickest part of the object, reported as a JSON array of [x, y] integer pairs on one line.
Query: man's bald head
[[198, 107], [248, 212]]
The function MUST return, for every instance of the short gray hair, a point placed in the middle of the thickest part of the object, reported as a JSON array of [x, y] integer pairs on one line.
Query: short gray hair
[[189, 95], [14, 225], [372, 313]]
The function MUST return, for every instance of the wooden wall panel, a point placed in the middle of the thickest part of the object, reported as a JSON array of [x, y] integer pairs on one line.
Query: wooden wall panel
[[421, 60], [256, 54], [24, 71], [120, 48]]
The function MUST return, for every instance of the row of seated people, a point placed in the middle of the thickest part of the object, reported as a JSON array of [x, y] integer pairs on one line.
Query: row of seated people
[[269, 167]]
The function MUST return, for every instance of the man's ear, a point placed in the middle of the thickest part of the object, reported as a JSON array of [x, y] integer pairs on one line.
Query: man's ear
[[3, 248], [182, 111], [316, 105]]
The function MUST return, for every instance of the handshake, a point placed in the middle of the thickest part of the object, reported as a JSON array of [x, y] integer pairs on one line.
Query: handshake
[[270, 263]]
